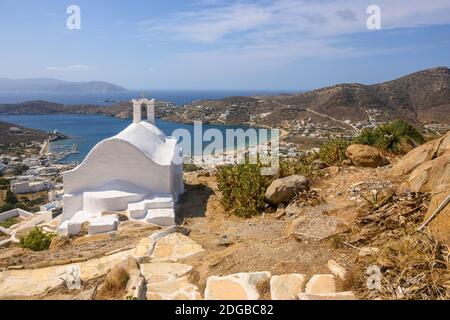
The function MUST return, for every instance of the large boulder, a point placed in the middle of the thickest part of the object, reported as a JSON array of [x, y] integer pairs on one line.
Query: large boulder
[[421, 154], [365, 156], [283, 190]]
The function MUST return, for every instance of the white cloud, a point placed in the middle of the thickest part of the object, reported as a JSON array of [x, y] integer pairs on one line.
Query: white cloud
[[236, 20], [210, 24], [69, 68], [225, 36]]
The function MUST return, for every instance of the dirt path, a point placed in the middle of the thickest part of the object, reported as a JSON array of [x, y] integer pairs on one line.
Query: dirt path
[[319, 114]]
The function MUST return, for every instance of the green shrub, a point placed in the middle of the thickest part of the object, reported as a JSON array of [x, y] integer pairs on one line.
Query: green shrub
[[333, 151], [8, 223], [303, 166], [398, 136], [37, 240], [20, 169], [7, 207], [11, 197], [190, 167], [243, 189]]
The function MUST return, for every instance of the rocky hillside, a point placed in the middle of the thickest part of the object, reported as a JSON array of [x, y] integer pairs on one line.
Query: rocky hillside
[[421, 97], [326, 240], [120, 110], [20, 134]]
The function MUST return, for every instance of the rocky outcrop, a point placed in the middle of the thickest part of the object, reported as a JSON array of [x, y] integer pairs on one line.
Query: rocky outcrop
[[365, 156], [283, 190], [16, 283], [416, 157], [428, 167], [430, 175]]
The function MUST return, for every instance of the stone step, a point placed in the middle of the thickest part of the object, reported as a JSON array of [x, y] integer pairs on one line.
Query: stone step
[[161, 217], [103, 224], [139, 210]]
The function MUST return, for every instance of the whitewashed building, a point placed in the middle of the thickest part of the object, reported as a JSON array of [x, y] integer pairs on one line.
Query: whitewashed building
[[29, 185], [139, 171]]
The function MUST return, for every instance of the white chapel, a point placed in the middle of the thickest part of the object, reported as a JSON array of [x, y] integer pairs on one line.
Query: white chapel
[[139, 171]]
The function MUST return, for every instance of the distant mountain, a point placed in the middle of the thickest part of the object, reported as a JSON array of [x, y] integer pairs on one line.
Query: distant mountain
[[44, 85]]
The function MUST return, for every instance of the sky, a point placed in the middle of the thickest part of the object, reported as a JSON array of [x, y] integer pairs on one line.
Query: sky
[[219, 44]]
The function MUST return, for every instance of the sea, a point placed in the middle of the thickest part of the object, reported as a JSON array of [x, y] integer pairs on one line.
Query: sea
[[85, 131], [177, 97]]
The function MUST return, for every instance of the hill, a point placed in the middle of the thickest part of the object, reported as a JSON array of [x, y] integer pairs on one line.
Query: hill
[[20, 134], [422, 97], [44, 85]]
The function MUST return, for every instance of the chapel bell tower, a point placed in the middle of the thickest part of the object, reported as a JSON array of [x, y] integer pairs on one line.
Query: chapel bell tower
[[144, 110]]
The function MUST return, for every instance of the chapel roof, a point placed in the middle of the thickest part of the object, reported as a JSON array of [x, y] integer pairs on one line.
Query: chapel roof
[[150, 140]]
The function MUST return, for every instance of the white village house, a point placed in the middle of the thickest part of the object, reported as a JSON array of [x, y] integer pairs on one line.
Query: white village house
[[29, 184], [139, 171]]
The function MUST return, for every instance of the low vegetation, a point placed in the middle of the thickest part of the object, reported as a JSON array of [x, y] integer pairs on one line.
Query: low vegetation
[[243, 188], [31, 205], [333, 152], [398, 136], [8, 223], [12, 202], [11, 197], [20, 169], [304, 166], [37, 240], [190, 167]]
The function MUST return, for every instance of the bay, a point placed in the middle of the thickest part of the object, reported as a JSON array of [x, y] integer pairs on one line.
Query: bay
[[86, 131]]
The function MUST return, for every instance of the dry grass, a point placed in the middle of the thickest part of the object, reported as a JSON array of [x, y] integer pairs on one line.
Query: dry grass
[[114, 286], [307, 198], [413, 265]]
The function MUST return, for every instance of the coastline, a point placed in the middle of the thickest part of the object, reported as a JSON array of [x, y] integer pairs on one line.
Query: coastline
[[97, 127]]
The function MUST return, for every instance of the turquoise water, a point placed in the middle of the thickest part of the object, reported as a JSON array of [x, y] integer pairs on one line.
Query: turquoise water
[[87, 130]]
